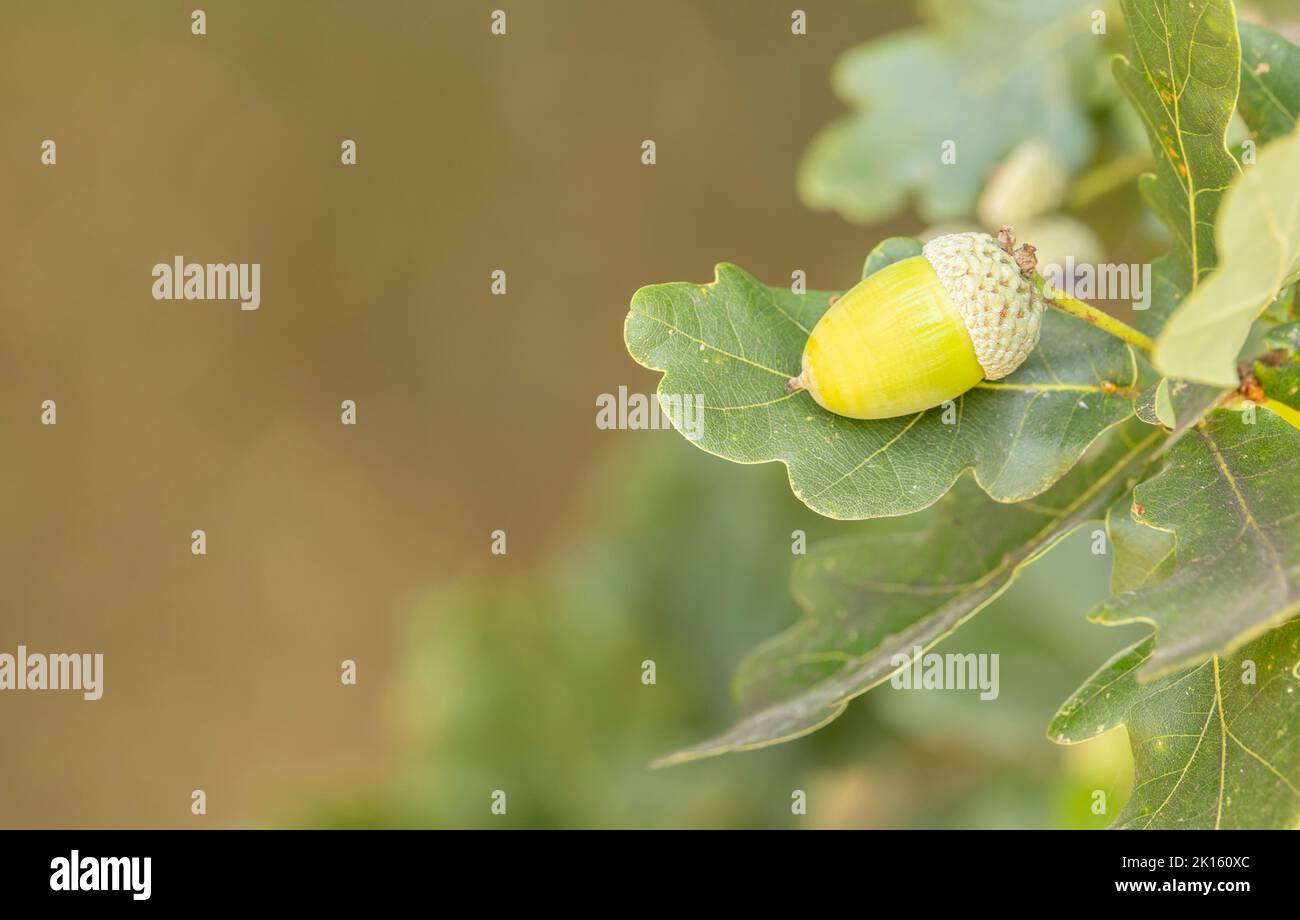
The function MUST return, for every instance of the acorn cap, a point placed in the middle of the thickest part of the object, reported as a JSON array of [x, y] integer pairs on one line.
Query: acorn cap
[[1001, 308]]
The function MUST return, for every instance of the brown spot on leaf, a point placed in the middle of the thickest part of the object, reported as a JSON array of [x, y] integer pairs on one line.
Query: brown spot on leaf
[[1250, 389]]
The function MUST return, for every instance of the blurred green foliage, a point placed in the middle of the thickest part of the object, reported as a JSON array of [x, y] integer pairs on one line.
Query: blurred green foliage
[[992, 73], [533, 685]]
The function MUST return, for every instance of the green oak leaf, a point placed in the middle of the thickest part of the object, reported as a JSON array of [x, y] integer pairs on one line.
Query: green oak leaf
[[1280, 382], [734, 344], [1270, 82], [871, 599], [1193, 768], [1177, 404], [992, 74], [1259, 244], [1229, 493], [890, 250], [1215, 746], [1155, 406], [1183, 80], [1143, 555], [1164, 404]]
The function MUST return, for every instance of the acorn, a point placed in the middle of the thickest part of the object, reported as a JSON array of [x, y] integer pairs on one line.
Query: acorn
[[924, 330]]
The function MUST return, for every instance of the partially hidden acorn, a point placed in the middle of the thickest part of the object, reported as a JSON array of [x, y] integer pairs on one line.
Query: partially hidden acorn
[[923, 330]]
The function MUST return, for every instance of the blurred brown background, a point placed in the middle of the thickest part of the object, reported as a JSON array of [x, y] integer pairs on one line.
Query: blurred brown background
[[475, 412]]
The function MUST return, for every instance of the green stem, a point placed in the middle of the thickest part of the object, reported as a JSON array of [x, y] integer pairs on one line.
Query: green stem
[[1106, 178], [1099, 318]]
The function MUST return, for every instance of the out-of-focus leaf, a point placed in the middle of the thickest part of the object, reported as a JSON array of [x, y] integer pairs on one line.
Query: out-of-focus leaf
[[1183, 79], [1270, 82], [1030, 183], [1285, 336], [1059, 238], [1259, 246], [992, 73], [736, 342], [872, 599], [1230, 494], [1214, 746], [530, 681]]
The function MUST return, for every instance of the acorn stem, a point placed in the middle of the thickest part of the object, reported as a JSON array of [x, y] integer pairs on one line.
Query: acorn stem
[[1099, 318]]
